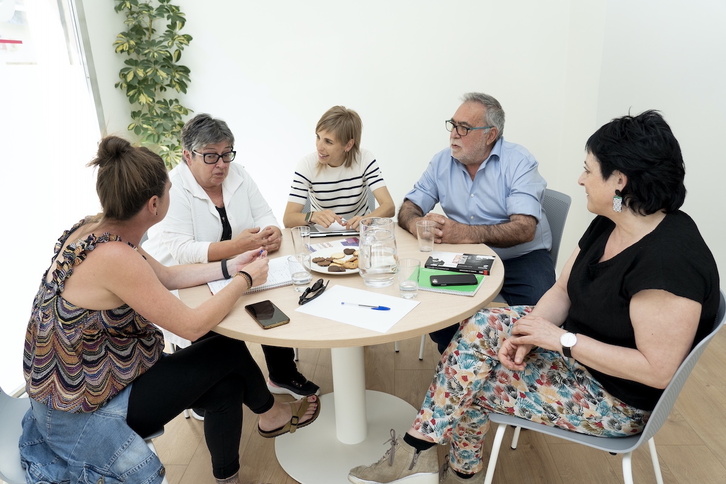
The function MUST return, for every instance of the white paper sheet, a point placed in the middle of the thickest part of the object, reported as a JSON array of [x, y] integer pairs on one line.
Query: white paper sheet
[[329, 306]]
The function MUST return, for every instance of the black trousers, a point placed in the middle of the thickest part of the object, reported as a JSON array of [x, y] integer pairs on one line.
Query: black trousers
[[217, 374], [280, 363]]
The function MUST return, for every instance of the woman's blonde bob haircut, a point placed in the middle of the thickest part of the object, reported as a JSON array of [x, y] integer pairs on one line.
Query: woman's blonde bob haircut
[[345, 125]]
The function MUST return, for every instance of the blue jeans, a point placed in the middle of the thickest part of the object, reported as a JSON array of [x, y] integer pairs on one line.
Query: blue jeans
[[64, 447], [526, 279]]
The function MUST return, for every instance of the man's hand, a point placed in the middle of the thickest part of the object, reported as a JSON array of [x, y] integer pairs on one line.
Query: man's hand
[[448, 231], [518, 230]]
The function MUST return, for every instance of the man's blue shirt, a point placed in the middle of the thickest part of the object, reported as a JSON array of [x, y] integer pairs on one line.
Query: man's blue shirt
[[506, 183]]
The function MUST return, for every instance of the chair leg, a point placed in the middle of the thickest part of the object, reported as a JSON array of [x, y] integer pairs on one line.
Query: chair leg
[[395, 346], [515, 437], [654, 459], [494, 455], [421, 347], [628, 468], [186, 413]]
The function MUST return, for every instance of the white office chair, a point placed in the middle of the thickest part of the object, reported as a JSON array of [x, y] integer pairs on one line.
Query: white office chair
[[620, 445], [556, 206], [12, 411]]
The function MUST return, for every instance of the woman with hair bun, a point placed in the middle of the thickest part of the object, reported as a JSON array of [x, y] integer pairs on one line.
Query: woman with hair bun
[[93, 361]]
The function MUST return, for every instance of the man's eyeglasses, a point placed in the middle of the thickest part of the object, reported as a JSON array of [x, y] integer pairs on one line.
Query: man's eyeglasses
[[462, 130], [312, 292], [213, 158]]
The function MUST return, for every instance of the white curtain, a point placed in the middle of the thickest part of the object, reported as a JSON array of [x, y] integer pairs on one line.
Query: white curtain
[[48, 132]]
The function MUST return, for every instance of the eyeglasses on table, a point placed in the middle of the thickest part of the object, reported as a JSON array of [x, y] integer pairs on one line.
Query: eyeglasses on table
[[313, 291]]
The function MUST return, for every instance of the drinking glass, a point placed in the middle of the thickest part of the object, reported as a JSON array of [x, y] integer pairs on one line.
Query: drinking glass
[[425, 233], [299, 265], [408, 272], [301, 239]]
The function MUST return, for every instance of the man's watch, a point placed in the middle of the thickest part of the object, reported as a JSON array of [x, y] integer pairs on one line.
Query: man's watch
[[568, 340]]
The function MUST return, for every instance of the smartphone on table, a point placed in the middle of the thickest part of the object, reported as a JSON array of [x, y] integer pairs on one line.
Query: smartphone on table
[[267, 314], [454, 280]]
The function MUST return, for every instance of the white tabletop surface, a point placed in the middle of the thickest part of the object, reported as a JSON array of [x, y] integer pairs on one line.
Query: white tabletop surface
[[435, 310]]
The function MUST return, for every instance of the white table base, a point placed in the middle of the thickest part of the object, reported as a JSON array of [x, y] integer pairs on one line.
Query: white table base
[[353, 435], [314, 455]]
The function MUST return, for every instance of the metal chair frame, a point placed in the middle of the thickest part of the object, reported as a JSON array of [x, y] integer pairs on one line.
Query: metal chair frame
[[621, 445]]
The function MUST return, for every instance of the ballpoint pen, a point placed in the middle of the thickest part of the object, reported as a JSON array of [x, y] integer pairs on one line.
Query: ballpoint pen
[[375, 308]]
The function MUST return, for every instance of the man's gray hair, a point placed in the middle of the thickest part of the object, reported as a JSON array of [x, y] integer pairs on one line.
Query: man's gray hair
[[495, 113]]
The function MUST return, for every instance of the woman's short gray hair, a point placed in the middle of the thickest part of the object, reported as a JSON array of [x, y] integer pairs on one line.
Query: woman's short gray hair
[[495, 113], [203, 130]]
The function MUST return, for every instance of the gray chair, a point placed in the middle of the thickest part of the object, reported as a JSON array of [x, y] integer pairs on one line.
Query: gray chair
[[12, 411], [621, 445], [556, 206]]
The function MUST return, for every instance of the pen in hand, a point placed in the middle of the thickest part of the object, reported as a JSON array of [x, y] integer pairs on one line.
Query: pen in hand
[[375, 308]]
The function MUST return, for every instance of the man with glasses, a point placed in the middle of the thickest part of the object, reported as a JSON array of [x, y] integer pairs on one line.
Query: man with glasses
[[491, 192], [216, 211]]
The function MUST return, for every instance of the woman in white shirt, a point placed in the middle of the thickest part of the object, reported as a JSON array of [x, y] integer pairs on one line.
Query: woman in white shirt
[[216, 212]]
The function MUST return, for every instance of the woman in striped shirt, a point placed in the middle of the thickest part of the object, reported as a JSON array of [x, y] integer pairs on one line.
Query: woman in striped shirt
[[337, 177]]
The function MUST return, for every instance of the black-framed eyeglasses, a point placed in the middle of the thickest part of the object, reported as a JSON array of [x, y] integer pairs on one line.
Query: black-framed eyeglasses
[[213, 158], [462, 130], [313, 291]]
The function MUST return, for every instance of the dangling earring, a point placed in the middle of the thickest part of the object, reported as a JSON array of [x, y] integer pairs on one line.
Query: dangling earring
[[617, 202]]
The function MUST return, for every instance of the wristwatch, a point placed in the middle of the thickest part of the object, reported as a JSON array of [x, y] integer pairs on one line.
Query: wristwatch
[[568, 340]]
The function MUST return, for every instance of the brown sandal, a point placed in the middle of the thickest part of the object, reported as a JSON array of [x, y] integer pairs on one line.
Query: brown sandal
[[294, 423]]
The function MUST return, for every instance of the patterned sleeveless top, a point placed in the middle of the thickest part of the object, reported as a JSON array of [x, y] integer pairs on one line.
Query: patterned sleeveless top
[[77, 359]]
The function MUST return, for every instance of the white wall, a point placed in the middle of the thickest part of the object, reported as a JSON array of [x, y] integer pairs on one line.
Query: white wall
[[660, 54], [272, 69], [560, 68]]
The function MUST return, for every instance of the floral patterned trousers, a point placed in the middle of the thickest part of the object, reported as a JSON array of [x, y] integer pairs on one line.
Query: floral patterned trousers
[[470, 382]]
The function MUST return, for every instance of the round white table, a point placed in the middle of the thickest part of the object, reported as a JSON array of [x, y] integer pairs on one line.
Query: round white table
[[353, 423]]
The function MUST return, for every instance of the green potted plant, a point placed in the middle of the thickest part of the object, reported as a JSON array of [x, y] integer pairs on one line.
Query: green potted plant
[[152, 73]]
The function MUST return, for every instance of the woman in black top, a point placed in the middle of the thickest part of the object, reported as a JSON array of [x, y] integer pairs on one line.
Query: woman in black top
[[594, 355]]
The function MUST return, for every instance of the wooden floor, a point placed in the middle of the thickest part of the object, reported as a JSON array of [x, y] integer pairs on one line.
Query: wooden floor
[[691, 445]]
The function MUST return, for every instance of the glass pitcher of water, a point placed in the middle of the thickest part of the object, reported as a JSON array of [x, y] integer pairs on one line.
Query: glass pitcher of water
[[378, 258]]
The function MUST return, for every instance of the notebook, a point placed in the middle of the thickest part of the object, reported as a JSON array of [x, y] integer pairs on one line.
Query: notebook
[[278, 275], [424, 283], [455, 262]]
